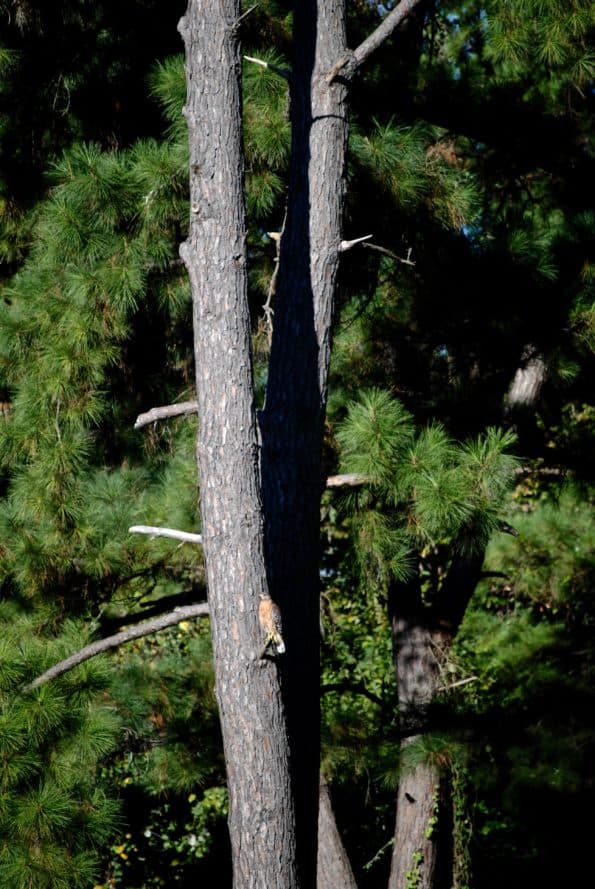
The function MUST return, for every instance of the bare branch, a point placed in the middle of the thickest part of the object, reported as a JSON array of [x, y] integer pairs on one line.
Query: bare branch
[[349, 479], [282, 72], [176, 616], [246, 14], [456, 684], [168, 410], [383, 31], [390, 253], [347, 245], [185, 536], [349, 63], [267, 308]]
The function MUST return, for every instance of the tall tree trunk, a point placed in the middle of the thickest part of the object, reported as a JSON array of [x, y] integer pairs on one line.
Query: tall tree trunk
[[271, 740], [293, 418], [422, 637], [292, 421], [261, 820]]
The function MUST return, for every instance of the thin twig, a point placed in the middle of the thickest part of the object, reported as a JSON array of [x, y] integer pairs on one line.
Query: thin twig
[[245, 14], [176, 616], [456, 684], [390, 253], [185, 536], [267, 307]]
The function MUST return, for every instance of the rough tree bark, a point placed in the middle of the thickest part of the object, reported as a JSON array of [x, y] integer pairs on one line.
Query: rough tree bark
[[269, 709], [422, 637], [261, 819], [292, 420]]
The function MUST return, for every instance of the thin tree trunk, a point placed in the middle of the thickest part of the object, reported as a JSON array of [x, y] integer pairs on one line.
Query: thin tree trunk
[[292, 421], [333, 867], [415, 857], [261, 819]]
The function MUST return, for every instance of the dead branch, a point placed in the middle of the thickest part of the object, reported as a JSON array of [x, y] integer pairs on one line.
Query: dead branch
[[186, 612], [349, 479], [154, 531], [390, 253], [168, 410], [347, 245], [282, 72]]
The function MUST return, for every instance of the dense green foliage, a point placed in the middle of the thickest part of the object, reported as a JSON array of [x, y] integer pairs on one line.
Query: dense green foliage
[[470, 159]]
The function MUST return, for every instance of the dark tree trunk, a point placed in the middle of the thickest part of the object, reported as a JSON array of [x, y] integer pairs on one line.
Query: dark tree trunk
[[422, 637], [292, 421], [261, 820], [333, 868]]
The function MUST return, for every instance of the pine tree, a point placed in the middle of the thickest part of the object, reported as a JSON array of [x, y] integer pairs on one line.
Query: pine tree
[[56, 811]]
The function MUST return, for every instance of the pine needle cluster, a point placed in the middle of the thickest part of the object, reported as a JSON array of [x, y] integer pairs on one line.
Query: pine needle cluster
[[421, 489], [416, 167], [103, 247], [54, 809]]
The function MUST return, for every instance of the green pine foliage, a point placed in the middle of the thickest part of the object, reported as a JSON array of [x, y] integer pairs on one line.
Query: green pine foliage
[[417, 167], [422, 490], [103, 244], [170, 770], [527, 639], [55, 810]]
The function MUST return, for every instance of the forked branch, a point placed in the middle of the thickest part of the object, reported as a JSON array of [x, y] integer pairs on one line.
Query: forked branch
[[349, 64]]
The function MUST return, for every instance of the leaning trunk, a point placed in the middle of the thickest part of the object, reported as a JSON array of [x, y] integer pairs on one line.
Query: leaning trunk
[[261, 820]]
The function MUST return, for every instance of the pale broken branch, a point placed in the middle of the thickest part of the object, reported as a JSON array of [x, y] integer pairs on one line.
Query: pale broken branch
[[458, 683], [282, 72], [168, 410], [267, 308], [185, 612], [153, 531], [349, 479], [347, 245]]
